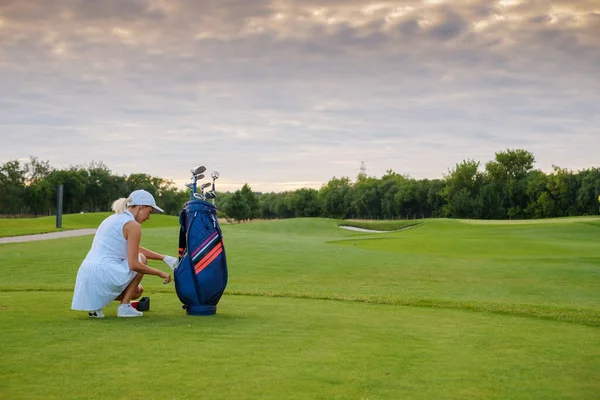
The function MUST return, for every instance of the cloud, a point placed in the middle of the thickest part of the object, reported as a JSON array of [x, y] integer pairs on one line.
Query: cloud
[[269, 91]]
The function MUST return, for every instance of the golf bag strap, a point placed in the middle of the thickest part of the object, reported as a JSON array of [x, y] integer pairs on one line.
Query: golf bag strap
[[182, 234]]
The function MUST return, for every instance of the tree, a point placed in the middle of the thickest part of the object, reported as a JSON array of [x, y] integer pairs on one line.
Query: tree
[[589, 191], [462, 205], [305, 203], [490, 201], [36, 170], [336, 198], [411, 199], [172, 200], [435, 197], [38, 193], [39, 198], [237, 207], [366, 199], [74, 187], [562, 186], [388, 187], [221, 201], [508, 174], [510, 165], [141, 181], [12, 187], [536, 186], [268, 203], [100, 192], [507, 188], [515, 198], [284, 205], [251, 200], [462, 188], [547, 205]]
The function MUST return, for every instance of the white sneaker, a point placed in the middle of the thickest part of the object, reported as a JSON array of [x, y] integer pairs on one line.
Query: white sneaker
[[96, 314], [126, 311]]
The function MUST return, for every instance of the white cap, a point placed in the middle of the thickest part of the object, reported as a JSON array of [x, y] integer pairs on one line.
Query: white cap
[[143, 198]]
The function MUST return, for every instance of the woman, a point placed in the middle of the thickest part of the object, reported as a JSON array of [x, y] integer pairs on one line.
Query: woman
[[116, 263]]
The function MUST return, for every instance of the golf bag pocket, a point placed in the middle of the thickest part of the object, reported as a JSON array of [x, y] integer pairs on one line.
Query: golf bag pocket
[[201, 277]]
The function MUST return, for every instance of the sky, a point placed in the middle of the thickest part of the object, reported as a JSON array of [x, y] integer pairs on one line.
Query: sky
[[286, 94]]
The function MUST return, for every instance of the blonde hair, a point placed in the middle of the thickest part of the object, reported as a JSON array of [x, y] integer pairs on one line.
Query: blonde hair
[[118, 206]]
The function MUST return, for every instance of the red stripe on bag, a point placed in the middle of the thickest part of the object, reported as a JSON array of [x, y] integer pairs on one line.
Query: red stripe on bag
[[209, 258]]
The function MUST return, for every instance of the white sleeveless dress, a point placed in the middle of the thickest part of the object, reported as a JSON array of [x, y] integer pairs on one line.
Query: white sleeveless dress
[[104, 273]]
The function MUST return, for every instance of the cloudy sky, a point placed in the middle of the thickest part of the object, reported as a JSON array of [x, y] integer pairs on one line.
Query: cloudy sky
[[284, 94]]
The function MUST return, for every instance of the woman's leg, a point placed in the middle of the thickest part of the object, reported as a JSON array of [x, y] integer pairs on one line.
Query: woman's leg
[[135, 289], [138, 292]]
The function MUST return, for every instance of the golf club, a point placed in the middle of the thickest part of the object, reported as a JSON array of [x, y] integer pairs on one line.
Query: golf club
[[215, 176], [198, 196], [196, 172], [204, 186]]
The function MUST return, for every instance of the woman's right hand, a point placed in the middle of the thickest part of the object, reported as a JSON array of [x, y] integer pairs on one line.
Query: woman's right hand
[[166, 277]]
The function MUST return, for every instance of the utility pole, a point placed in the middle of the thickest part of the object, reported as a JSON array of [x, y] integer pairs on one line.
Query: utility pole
[[59, 206]]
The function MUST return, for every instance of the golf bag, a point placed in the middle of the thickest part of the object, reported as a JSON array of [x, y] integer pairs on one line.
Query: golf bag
[[201, 277]]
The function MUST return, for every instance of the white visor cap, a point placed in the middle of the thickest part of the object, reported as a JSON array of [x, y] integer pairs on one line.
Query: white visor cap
[[143, 198]]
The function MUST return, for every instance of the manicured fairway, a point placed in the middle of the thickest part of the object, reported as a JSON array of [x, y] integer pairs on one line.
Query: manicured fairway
[[258, 347], [30, 226], [444, 310]]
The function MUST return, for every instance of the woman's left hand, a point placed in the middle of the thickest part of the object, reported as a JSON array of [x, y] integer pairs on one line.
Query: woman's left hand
[[166, 277]]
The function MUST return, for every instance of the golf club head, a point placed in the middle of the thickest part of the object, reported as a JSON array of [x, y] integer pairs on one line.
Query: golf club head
[[199, 176], [198, 170], [214, 175], [210, 195], [198, 196], [204, 186], [190, 186]]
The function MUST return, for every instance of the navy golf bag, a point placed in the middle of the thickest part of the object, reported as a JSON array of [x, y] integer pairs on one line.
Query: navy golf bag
[[201, 277]]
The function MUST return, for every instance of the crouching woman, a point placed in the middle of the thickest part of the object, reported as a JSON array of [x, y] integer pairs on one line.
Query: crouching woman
[[116, 263]]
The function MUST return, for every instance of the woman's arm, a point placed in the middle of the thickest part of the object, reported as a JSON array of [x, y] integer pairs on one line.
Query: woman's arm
[[151, 255], [133, 233]]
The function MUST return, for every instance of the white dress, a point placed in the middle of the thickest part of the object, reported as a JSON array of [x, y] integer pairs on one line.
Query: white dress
[[104, 273]]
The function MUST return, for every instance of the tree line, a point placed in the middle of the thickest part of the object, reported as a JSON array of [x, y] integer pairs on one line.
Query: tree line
[[507, 187], [30, 188]]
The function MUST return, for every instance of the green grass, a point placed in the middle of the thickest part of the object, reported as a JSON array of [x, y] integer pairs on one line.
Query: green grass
[[554, 221], [448, 310], [31, 226], [290, 349]]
